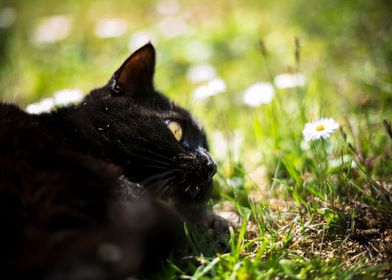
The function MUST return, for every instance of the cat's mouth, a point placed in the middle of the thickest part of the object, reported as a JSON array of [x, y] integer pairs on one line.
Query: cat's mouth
[[199, 168], [189, 178], [198, 192]]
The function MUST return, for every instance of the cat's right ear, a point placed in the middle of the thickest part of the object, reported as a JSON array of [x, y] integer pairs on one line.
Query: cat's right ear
[[135, 76]]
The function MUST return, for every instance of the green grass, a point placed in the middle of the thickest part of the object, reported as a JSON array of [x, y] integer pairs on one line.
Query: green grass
[[308, 210]]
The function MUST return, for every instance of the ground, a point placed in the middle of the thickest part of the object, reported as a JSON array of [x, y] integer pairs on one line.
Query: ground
[[312, 203]]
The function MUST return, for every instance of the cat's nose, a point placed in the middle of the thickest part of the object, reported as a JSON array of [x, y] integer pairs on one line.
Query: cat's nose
[[210, 163], [211, 166]]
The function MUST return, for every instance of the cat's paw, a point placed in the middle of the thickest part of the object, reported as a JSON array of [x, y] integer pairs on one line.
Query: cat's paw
[[217, 226]]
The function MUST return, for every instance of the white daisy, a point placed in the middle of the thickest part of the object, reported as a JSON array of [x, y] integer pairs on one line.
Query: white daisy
[[52, 29], [111, 28], [167, 7], [43, 106], [197, 51], [139, 39], [287, 80], [258, 93], [319, 129], [67, 96], [201, 73], [222, 144], [60, 98], [172, 27], [210, 88]]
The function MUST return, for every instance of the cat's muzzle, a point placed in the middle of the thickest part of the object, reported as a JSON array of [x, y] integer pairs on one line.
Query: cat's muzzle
[[210, 163], [198, 170]]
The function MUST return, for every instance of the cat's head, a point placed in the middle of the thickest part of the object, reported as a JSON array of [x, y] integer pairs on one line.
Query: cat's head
[[157, 143]]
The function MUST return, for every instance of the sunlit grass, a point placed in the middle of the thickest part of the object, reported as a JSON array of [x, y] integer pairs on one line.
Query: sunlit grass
[[301, 210]]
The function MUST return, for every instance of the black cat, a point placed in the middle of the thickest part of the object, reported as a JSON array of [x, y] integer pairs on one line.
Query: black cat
[[100, 190]]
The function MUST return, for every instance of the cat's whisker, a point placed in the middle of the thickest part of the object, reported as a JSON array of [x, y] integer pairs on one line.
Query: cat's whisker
[[163, 190], [174, 170], [160, 178], [157, 177], [154, 154], [201, 194], [156, 167], [147, 159], [181, 181], [188, 187], [162, 157], [160, 187]]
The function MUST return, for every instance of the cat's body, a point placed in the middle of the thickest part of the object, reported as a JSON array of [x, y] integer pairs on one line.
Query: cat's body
[[100, 189]]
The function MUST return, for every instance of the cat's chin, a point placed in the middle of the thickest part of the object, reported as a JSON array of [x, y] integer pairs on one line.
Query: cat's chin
[[190, 198], [198, 194]]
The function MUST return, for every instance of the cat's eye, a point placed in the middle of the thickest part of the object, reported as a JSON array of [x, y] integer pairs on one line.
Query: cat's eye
[[175, 128]]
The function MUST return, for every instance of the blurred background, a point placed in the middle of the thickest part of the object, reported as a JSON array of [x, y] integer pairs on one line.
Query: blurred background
[[253, 71]]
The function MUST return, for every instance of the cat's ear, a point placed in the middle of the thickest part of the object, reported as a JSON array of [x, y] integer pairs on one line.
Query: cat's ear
[[135, 76]]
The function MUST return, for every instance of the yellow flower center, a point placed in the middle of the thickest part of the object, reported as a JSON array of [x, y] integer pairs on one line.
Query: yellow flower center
[[320, 127]]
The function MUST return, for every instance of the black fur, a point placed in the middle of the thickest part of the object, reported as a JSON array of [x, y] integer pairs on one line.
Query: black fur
[[99, 190]]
